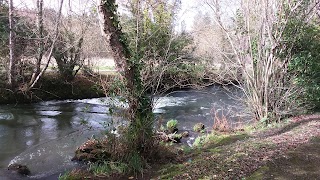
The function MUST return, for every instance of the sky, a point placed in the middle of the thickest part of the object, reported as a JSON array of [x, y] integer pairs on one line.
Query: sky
[[189, 8], [185, 16], [74, 5]]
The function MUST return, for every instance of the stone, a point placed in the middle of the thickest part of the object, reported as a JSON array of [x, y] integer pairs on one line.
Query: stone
[[91, 151], [18, 168]]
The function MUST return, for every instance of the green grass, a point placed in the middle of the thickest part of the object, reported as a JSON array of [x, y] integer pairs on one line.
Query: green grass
[[108, 167], [259, 126], [170, 170], [258, 174], [215, 140], [70, 176]]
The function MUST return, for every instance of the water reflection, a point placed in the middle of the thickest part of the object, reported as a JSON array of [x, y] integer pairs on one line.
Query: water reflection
[[49, 129]]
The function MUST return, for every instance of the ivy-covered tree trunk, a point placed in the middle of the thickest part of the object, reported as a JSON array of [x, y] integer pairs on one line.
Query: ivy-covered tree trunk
[[129, 66]]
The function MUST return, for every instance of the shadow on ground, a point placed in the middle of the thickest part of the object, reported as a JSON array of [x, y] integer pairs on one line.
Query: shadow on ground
[[300, 163]]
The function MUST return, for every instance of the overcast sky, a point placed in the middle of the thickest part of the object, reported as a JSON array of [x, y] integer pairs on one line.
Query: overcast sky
[[185, 16]]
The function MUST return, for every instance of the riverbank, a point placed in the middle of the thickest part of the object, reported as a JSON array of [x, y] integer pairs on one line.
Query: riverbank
[[86, 86], [51, 87], [289, 150]]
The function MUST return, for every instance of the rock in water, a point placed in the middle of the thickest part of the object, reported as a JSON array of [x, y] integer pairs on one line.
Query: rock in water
[[18, 168], [185, 134], [198, 127]]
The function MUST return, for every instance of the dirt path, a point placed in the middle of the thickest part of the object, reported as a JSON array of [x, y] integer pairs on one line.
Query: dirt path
[[300, 163]]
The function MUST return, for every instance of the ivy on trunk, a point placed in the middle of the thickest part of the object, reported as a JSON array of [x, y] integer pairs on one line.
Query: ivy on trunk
[[129, 65]]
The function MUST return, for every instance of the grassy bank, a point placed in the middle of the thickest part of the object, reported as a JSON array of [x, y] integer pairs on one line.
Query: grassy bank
[[289, 150], [285, 151]]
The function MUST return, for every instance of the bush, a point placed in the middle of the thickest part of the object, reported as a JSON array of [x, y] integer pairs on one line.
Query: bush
[[172, 125], [305, 64], [199, 141]]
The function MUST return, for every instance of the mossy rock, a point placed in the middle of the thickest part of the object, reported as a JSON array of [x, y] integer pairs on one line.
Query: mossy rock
[[199, 127], [185, 134], [91, 151]]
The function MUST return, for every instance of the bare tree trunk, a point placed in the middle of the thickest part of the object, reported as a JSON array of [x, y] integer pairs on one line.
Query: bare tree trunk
[[12, 58], [39, 35], [35, 79], [257, 47], [40, 41]]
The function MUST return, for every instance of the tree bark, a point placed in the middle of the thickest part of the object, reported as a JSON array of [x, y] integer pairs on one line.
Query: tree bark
[[123, 57], [12, 58], [140, 131], [39, 35], [35, 79]]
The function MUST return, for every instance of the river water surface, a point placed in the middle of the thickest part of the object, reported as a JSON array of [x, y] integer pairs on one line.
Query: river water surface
[[44, 135]]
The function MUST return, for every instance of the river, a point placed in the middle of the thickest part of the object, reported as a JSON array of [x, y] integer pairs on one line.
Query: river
[[44, 135]]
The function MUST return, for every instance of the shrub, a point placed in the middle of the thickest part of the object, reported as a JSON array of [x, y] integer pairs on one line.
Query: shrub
[[221, 122], [199, 141], [172, 125]]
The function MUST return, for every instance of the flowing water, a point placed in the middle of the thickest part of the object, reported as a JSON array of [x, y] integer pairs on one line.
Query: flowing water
[[44, 135]]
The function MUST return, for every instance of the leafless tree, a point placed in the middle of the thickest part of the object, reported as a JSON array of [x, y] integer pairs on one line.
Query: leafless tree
[[40, 36], [35, 79], [12, 59], [257, 46]]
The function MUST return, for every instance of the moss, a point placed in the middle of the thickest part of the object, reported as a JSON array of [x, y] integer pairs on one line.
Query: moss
[[108, 168], [198, 127], [214, 140], [177, 138], [76, 174], [215, 150], [187, 149], [171, 170], [258, 174], [231, 139], [199, 141], [172, 125], [315, 139]]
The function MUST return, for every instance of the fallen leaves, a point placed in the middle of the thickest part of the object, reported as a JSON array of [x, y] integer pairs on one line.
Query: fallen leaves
[[241, 158]]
